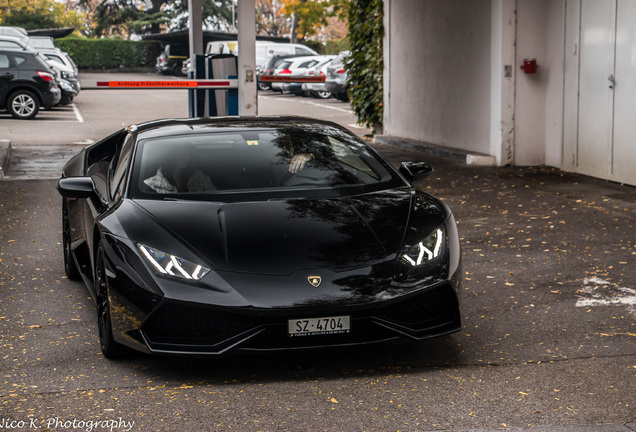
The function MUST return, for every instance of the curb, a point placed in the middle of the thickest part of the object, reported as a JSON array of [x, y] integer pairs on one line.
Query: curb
[[5, 155], [466, 157]]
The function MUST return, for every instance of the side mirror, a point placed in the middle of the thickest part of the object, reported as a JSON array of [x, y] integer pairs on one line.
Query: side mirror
[[415, 170], [76, 187]]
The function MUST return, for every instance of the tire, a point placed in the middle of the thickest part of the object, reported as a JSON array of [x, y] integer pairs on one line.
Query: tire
[[70, 268], [23, 105], [343, 97], [110, 347], [322, 94], [264, 86], [176, 70]]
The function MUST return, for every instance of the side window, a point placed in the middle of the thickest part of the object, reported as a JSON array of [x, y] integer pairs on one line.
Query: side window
[[300, 50], [120, 173], [19, 60], [4, 61]]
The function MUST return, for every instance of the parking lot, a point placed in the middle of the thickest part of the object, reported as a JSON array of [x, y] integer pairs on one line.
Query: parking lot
[[96, 113], [548, 304]]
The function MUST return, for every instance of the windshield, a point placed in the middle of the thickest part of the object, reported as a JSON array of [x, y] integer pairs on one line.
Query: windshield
[[271, 163]]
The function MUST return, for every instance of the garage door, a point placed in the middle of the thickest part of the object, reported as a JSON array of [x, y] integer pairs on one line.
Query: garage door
[[600, 89]]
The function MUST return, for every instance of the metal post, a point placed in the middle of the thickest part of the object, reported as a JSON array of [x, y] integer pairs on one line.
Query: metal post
[[247, 96], [195, 8]]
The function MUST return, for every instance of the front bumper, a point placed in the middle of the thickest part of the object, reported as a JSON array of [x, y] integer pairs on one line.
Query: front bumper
[[185, 328]]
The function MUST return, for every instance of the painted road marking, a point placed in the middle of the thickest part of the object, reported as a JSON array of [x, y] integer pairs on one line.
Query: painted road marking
[[599, 292]]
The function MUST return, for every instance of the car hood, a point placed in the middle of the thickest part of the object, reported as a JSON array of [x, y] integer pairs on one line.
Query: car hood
[[282, 236]]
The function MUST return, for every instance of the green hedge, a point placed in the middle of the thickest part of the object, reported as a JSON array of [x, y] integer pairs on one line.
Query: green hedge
[[110, 53]]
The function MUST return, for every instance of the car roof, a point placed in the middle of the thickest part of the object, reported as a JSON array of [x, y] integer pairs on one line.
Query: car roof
[[304, 58], [13, 38], [13, 31], [275, 57], [318, 58], [17, 51]]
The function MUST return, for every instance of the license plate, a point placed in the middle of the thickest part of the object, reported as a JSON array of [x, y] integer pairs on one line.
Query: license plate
[[319, 326]]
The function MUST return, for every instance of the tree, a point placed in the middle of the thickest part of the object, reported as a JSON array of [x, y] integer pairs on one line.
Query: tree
[[38, 14], [270, 20], [217, 14], [127, 17], [307, 16]]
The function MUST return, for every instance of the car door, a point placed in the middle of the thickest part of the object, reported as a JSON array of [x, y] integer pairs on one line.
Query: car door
[[7, 75], [100, 161]]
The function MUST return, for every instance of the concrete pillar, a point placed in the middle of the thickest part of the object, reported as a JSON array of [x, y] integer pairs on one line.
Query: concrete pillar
[[196, 28], [503, 75], [247, 91]]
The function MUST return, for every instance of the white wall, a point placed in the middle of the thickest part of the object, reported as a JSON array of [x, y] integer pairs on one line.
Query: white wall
[[445, 80], [439, 72]]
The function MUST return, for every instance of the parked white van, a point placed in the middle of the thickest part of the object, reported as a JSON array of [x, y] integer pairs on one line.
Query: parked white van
[[264, 49]]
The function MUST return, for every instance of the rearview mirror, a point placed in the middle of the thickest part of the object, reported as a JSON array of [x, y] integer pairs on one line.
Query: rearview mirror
[[76, 187], [415, 170]]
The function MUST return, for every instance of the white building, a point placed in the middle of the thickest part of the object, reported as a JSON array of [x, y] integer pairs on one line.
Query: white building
[[453, 79]]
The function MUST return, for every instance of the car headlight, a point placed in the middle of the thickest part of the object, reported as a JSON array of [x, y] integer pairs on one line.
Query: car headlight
[[172, 265], [68, 75], [66, 86], [426, 250]]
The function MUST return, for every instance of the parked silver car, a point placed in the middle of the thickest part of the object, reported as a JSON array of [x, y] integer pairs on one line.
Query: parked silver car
[[293, 68], [46, 46], [336, 81], [318, 89]]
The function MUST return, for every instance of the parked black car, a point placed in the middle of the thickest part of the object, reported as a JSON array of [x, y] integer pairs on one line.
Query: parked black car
[[170, 61], [215, 235], [26, 84]]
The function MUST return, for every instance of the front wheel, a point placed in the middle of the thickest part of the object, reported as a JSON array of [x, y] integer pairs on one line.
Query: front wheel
[[110, 347], [23, 105]]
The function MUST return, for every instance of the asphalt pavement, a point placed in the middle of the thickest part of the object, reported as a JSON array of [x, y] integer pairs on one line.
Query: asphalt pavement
[[548, 344]]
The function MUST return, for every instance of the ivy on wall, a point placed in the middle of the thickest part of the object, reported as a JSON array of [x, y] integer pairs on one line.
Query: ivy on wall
[[364, 68]]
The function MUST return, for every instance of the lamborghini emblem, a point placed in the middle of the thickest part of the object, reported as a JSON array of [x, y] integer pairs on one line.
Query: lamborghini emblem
[[314, 280]]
